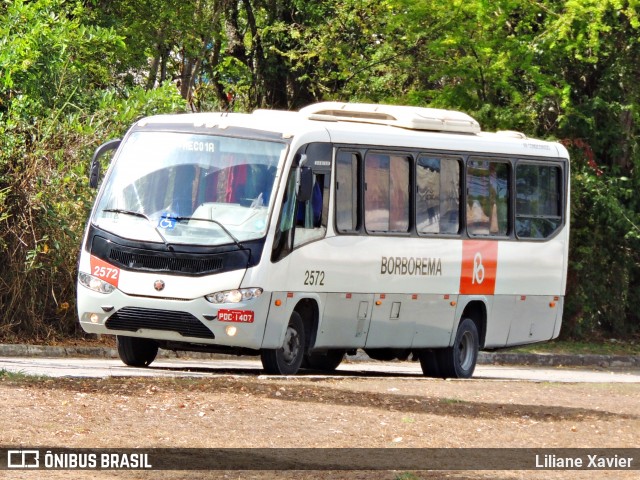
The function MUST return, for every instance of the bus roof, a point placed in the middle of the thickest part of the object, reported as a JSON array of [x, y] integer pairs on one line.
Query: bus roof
[[370, 124]]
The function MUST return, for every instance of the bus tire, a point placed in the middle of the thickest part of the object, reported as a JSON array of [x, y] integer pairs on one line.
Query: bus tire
[[326, 362], [459, 361], [287, 359], [136, 352], [429, 363]]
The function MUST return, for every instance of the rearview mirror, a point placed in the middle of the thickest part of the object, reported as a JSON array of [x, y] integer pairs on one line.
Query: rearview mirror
[[305, 184], [94, 172]]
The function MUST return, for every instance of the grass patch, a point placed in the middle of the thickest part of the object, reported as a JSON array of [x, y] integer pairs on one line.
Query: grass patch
[[20, 376], [407, 476], [601, 347], [8, 375]]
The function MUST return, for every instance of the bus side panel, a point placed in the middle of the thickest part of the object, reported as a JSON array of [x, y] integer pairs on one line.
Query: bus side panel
[[466, 302], [411, 320], [279, 315], [434, 318], [378, 264], [560, 308], [345, 322], [500, 319], [351, 269], [392, 322], [531, 268], [534, 319], [532, 273]]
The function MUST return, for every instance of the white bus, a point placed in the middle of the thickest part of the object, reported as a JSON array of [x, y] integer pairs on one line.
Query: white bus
[[303, 236]]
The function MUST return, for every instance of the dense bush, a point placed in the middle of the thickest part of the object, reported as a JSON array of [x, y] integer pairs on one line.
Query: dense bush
[[55, 109], [46, 200]]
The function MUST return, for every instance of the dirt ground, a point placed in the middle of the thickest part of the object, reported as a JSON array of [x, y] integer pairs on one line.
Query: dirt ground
[[254, 411]]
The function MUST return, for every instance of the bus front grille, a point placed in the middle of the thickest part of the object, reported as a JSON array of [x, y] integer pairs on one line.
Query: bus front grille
[[133, 318], [160, 263]]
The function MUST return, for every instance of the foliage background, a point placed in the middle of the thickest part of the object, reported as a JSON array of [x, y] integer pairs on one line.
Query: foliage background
[[76, 73]]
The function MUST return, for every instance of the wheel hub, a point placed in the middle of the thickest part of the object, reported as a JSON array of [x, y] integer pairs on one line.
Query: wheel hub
[[465, 350], [291, 345]]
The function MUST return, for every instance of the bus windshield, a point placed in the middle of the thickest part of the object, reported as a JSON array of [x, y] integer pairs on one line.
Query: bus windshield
[[181, 188]]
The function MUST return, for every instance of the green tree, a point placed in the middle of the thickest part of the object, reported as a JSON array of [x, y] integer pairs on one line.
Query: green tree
[[560, 69], [596, 47], [74, 73]]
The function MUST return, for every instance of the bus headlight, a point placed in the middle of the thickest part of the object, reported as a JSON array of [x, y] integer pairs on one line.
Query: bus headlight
[[234, 296], [94, 283]]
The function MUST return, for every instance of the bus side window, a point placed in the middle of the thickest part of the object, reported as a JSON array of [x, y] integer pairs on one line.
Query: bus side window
[[386, 192], [438, 195], [487, 197], [538, 200]]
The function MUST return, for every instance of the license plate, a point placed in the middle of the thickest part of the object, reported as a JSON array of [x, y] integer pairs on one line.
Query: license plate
[[242, 316]]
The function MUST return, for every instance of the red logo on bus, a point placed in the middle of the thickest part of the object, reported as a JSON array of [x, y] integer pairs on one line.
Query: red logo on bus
[[479, 267]]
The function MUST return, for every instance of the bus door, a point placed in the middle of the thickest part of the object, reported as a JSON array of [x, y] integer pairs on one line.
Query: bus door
[[387, 198]]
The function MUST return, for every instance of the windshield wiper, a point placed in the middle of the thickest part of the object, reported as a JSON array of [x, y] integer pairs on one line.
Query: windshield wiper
[[133, 213], [224, 229]]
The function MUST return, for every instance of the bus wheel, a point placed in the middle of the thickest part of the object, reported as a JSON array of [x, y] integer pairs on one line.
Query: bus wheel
[[429, 363], [136, 352], [459, 361], [287, 359], [327, 362]]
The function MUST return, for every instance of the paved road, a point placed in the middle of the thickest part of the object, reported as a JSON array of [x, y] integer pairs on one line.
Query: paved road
[[100, 368]]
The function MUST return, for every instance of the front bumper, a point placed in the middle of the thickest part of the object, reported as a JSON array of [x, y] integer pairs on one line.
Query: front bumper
[[191, 321]]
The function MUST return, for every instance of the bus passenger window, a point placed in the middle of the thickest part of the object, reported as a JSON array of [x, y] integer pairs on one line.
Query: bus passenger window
[[538, 200], [487, 197], [438, 195], [386, 195]]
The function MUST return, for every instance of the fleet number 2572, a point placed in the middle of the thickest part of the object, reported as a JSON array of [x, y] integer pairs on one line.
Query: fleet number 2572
[[314, 277]]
